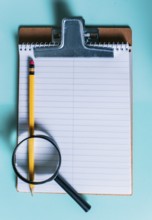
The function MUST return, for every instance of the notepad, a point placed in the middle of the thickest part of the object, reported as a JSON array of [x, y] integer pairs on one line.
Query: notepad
[[85, 104]]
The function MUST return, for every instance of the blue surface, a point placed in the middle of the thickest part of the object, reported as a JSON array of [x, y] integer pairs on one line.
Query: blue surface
[[138, 15]]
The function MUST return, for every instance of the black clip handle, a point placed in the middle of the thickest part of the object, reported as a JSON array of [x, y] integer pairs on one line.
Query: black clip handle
[[73, 193]]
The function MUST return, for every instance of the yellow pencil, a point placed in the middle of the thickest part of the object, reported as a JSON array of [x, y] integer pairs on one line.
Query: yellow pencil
[[31, 123]]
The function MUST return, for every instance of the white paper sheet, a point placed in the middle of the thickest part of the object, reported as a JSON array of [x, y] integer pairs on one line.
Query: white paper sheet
[[85, 104]]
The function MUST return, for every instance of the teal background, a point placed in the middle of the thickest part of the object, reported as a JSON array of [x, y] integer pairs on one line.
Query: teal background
[[136, 14]]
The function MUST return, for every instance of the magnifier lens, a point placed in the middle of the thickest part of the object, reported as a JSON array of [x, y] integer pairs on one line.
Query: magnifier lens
[[46, 157]]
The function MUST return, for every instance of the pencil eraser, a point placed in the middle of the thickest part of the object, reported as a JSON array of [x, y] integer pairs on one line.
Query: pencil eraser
[[31, 62]]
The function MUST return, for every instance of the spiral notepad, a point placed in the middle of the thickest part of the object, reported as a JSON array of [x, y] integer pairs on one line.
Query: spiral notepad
[[85, 104]]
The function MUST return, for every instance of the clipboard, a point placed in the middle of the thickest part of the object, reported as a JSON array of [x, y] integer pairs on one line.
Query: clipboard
[[91, 41]]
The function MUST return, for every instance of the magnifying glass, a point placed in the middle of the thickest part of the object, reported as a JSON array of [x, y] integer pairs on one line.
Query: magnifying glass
[[46, 169]]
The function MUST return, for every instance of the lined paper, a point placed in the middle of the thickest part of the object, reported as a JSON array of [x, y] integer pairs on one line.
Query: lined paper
[[85, 104]]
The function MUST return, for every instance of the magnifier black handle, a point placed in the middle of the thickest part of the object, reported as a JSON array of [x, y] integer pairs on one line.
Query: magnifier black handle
[[72, 192]]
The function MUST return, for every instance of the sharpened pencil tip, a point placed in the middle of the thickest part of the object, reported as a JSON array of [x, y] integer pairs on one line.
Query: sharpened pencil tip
[[31, 190]]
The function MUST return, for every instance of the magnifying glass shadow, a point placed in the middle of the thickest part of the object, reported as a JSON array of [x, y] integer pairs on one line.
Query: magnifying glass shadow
[[8, 130]]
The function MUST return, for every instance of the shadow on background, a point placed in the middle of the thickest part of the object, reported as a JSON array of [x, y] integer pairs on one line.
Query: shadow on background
[[9, 112], [9, 127], [61, 10]]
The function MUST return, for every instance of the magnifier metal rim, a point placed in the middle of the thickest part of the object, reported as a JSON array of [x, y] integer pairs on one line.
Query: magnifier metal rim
[[14, 160]]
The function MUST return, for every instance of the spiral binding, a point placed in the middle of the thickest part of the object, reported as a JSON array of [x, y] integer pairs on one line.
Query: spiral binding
[[30, 46], [115, 46]]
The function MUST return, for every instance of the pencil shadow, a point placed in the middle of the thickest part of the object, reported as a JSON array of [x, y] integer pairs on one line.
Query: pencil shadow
[[61, 10]]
